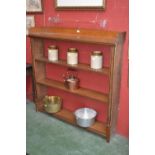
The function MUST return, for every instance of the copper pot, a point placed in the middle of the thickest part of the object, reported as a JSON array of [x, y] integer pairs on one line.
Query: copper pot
[[71, 80], [72, 83]]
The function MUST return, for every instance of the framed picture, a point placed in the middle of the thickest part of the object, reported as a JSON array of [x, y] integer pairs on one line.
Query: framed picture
[[30, 22], [33, 6], [80, 4]]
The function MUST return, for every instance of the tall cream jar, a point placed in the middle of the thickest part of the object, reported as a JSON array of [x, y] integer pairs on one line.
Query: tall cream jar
[[96, 60], [52, 53], [72, 56]]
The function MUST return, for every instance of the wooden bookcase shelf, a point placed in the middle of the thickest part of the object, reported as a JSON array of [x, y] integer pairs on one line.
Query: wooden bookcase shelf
[[84, 67], [81, 91], [114, 40], [68, 116], [71, 34]]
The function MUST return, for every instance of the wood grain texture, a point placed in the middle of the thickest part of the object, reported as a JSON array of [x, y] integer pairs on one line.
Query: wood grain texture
[[39, 71], [85, 35], [115, 80]]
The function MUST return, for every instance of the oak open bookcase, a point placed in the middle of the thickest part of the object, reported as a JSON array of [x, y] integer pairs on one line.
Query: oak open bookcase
[[99, 37]]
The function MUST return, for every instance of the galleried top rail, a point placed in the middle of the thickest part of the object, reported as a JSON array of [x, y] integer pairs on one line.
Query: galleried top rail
[[81, 35]]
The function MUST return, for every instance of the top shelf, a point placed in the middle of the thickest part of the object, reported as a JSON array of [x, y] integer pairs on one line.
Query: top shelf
[[85, 67], [78, 35]]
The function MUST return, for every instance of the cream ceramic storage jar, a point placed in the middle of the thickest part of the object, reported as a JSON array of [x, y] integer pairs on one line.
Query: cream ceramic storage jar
[[52, 53], [96, 60], [72, 56]]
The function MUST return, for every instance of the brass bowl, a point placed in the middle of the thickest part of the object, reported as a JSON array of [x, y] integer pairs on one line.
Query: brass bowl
[[52, 104]]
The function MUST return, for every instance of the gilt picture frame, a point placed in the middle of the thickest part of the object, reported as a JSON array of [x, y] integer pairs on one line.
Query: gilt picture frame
[[80, 4], [34, 6], [30, 22]]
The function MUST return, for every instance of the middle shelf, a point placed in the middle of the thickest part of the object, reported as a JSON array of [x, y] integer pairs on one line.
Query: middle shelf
[[81, 91]]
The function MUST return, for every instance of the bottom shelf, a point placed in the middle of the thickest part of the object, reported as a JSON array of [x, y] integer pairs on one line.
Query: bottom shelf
[[68, 116]]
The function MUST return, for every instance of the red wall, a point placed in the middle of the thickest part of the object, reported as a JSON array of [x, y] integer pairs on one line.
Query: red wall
[[116, 14]]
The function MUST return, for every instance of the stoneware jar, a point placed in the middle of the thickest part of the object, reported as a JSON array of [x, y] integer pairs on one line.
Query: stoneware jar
[[52, 53], [96, 60], [72, 56]]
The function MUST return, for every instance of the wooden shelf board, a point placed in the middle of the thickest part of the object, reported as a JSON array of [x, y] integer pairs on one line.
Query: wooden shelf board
[[70, 34], [84, 67], [81, 91], [68, 116]]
